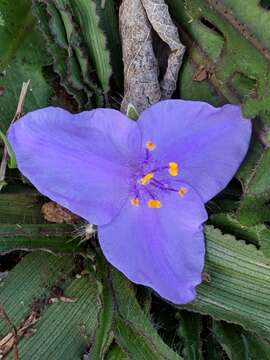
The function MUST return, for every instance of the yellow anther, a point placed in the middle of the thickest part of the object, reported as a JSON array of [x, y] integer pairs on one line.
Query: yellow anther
[[155, 204], [134, 201], [173, 168], [182, 191], [150, 145], [146, 178]]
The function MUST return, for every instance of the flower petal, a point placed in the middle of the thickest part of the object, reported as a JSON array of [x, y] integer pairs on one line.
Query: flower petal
[[208, 143], [162, 248], [80, 161]]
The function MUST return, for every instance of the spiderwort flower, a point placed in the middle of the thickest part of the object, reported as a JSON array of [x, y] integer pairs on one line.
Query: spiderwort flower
[[143, 183]]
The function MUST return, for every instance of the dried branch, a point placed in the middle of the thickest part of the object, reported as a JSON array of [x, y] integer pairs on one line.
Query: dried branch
[[18, 114], [10, 341]]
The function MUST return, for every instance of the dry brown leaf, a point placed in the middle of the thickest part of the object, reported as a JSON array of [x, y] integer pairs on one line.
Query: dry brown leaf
[[9, 342], [67, 299], [140, 64], [53, 212], [204, 72], [138, 18], [3, 275], [158, 15], [6, 344], [31, 320], [63, 299]]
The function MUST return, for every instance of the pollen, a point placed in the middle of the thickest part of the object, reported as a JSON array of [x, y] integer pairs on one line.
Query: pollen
[[134, 201], [150, 146], [173, 168], [146, 178], [182, 191], [155, 204]]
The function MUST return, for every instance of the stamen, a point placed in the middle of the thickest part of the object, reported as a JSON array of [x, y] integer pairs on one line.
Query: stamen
[[182, 191], [135, 201], [146, 178], [173, 169], [157, 183], [155, 204], [150, 145]]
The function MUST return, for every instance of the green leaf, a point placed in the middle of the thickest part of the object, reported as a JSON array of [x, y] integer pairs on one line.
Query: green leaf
[[76, 41], [50, 237], [94, 38], [2, 184], [23, 225], [259, 182], [254, 177], [78, 64], [108, 21], [190, 328], [238, 288], [133, 329], [230, 224], [104, 333], [253, 211], [197, 90], [212, 349], [20, 206], [11, 40], [64, 304], [30, 280], [218, 42], [65, 329], [12, 159], [248, 14], [20, 60], [258, 348], [57, 45], [239, 344], [258, 234], [132, 112], [230, 339], [117, 354], [135, 343], [264, 241], [253, 157]]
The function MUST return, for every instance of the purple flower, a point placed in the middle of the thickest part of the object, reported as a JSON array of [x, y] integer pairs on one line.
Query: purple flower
[[144, 183]]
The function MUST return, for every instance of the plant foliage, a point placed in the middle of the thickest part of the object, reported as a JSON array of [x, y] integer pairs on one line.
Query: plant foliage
[[60, 299]]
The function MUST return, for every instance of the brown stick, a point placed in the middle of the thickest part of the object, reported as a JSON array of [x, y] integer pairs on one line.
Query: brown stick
[[14, 339], [18, 114]]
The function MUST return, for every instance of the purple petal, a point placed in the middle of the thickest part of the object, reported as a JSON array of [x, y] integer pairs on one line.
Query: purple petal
[[208, 143], [80, 161], [160, 248]]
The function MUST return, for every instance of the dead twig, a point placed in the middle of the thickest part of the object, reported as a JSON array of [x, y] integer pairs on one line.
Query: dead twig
[[10, 341], [18, 114]]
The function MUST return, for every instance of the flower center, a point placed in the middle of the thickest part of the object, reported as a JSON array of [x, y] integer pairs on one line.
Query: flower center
[[154, 180]]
